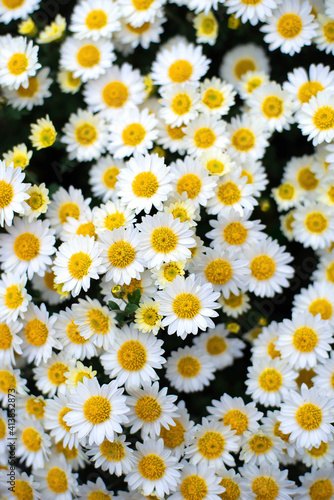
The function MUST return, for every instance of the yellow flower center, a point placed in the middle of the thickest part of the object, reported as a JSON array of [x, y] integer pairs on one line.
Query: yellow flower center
[[194, 488], [115, 94], [139, 30], [262, 267], [323, 118], [121, 254], [35, 406], [204, 138], [309, 89], [188, 366], [265, 488], [26, 246], [86, 134], [232, 490], [215, 166], [237, 420], [243, 66], [97, 409], [133, 134], [243, 140], [68, 209], [112, 451], [322, 307], [98, 495], [36, 332], [213, 99], [110, 177], [13, 297], [253, 84], [23, 490], [191, 184], [319, 451], [61, 420], [309, 417], [175, 133], [270, 380], [305, 339], [316, 222], [228, 193], [233, 301], [289, 25], [31, 439], [98, 322], [180, 213], [286, 191], [148, 409], [12, 4], [216, 345], [31, 90], [272, 107], [211, 445], [249, 176], [235, 233], [132, 356], [150, 316], [79, 265], [20, 160], [7, 381], [17, 64], [180, 71], [151, 467], [73, 333], [186, 305], [328, 30], [306, 179], [114, 221], [3, 428], [271, 349], [86, 229], [174, 436], [68, 454], [88, 56], [321, 490], [35, 201], [145, 185], [260, 444], [171, 270], [218, 272], [181, 104], [96, 19], [46, 137], [57, 480], [56, 373], [163, 240], [277, 432], [208, 25], [132, 286], [330, 273]]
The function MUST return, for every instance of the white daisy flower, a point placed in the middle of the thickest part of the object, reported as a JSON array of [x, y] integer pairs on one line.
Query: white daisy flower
[[251, 11], [251, 81], [316, 299], [32, 406], [91, 490], [14, 298], [68, 334], [316, 118], [171, 138], [113, 215], [325, 269], [324, 34], [216, 96], [9, 341], [56, 479], [232, 484], [304, 340], [49, 291], [286, 225], [300, 172], [67, 83], [147, 317], [55, 411], [38, 201], [315, 483], [183, 208], [261, 448], [32, 95], [76, 374], [248, 138], [178, 435], [179, 104], [207, 28], [269, 267], [12, 10], [138, 12], [23, 485], [94, 19], [265, 343], [256, 176], [166, 273], [66, 204], [198, 482], [241, 59], [83, 226], [103, 177], [19, 61], [324, 374], [189, 370], [50, 376], [268, 481], [271, 425], [287, 195], [134, 36], [325, 192], [13, 193], [219, 163], [318, 456], [10, 380], [313, 225], [19, 155], [33, 444], [205, 134], [115, 456], [235, 305]]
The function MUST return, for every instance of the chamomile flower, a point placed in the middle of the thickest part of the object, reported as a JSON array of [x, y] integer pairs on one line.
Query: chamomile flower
[[10, 10], [207, 27], [115, 456], [251, 11], [324, 34], [134, 358], [49, 291], [219, 163], [183, 208], [38, 201], [325, 269], [23, 485], [43, 133], [10, 381], [287, 195], [103, 177], [216, 96], [9, 341], [88, 59], [235, 305], [171, 138], [241, 59], [67, 83], [313, 225], [14, 298], [19, 61], [198, 482], [316, 118], [54, 31], [13, 192], [261, 447], [269, 267], [19, 155], [34, 94], [68, 333], [189, 370], [307, 417], [91, 490], [286, 225], [265, 343], [267, 481], [250, 81], [166, 273], [205, 134], [93, 20], [325, 192], [178, 435], [77, 374], [133, 36], [179, 104], [66, 204], [32, 406], [56, 479], [316, 299], [112, 215], [248, 138], [83, 226], [290, 27], [319, 456], [317, 483], [55, 410], [33, 443], [147, 317], [299, 171]]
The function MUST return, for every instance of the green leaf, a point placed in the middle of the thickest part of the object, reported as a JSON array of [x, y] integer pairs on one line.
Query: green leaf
[[134, 297], [131, 308], [112, 305]]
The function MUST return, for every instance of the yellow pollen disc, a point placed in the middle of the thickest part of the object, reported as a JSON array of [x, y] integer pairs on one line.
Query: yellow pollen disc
[[81, 375], [181, 104], [12, 4], [110, 177], [79, 265], [114, 221], [232, 490], [68, 454], [112, 451], [323, 118], [139, 30], [163, 240], [174, 436], [35, 201], [286, 191], [20, 161], [13, 297], [96, 20], [115, 94], [191, 184], [277, 432], [3, 428], [322, 307], [305, 377], [237, 420], [98, 322], [309, 417], [150, 316], [272, 107], [61, 420], [216, 345], [260, 444], [26, 246], [194, 488], [31, 439], [328, 30], [228, 193], [330, 193], [98, 495], [121, 254], [233, 301], [97, 409], [148, 409], [262, 267], [132, 355], [17, 64], [243, 140], [270, 380], [7, 381], [289, 25], [6, 337], [309, 89], [23, 490], [249, 176], [145, 185], [73, 333], [180, 213], [188, 367], [175, 133], [243, 66], [142, 4], [68, 209], [307, 179], [271, 349], [321, 490], [204, 138], [319, 451], [208, 25], [133, 134], [186, 305], [57, 480], [36, 332], [35, 406], [151, 467], [88, 56], [31, 90], [86, 229], [211, 445], [171, 270], [253, 84], [56, 373], [305, 339], [86, 134], [330, 273], [180, 71], [316, 222], [215, 166], [265, 488], [218, 272], [235, 233], [213, 99]]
